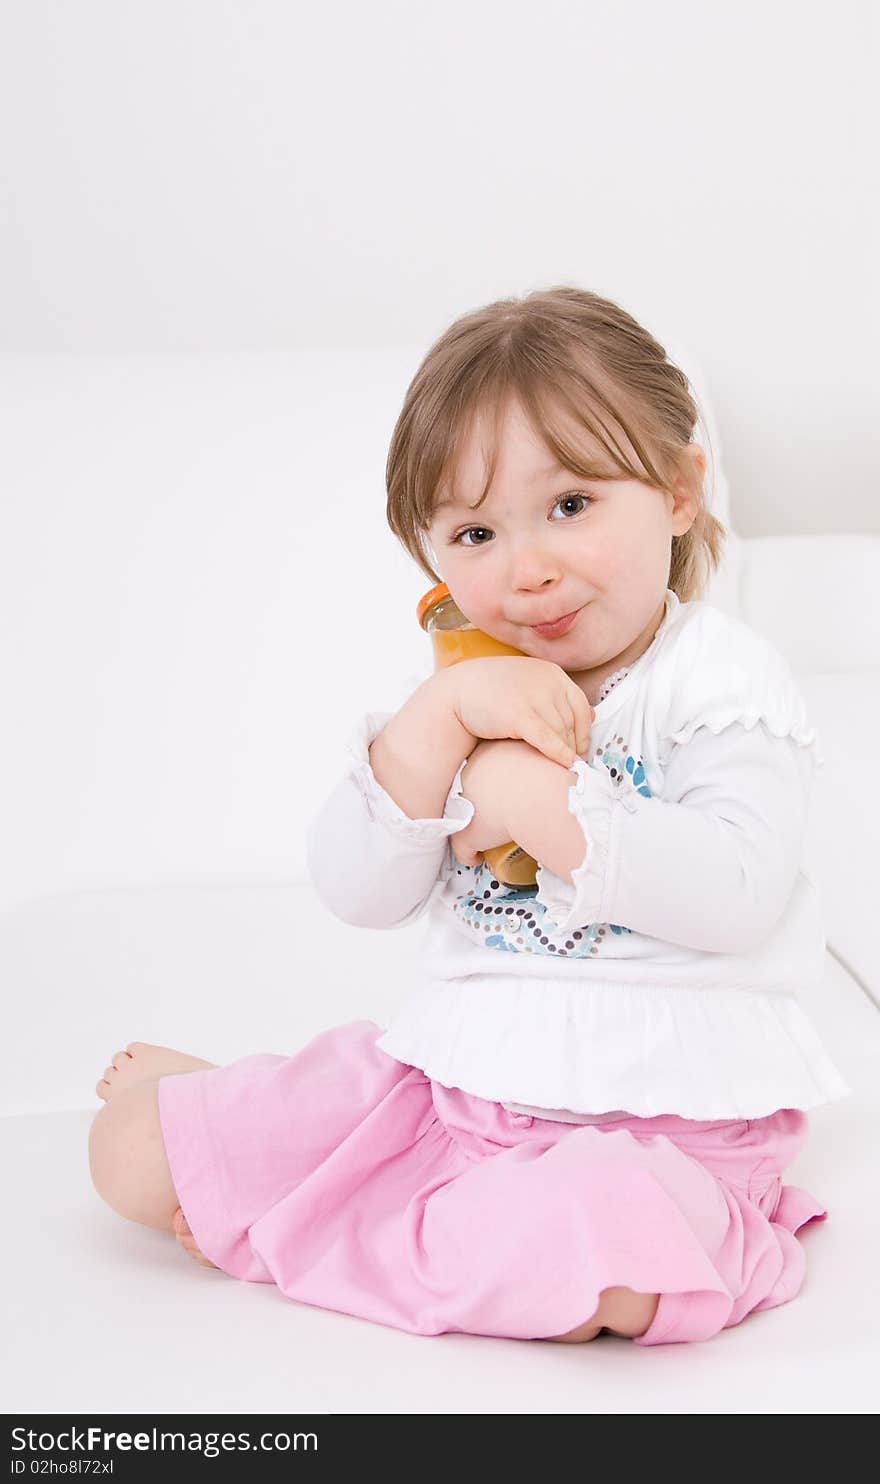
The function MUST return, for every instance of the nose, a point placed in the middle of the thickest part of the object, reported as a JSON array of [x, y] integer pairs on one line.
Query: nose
[[531, 572]]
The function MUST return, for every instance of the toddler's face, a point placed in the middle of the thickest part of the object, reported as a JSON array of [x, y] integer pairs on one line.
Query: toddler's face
[[546, 542]]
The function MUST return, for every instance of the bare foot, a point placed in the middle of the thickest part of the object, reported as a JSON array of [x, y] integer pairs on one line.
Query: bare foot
[[139, 1061], [581, 1335], [136, 1063], [622, 1311], [188, 1241]]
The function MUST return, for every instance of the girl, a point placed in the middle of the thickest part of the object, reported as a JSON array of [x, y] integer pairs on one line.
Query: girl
[[579, 1119]]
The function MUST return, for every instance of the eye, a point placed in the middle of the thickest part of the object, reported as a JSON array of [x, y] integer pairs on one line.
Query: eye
[[575, 495], [560, 500]]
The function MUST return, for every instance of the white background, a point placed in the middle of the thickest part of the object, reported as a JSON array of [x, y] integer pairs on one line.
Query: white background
[[189, 175]]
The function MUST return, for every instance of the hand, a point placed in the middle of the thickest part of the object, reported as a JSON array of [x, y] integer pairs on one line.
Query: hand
[[521, 698], [485, 781]]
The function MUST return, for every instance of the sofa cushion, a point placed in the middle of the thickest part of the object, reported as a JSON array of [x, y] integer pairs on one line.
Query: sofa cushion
[[842, 846], [816, 598]]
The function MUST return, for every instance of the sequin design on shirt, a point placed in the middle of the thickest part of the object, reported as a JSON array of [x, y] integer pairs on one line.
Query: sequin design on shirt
[[510, 919]]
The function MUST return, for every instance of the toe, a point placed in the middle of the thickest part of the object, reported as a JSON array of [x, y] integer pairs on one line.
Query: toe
[[187, 1241], [120, 1058]]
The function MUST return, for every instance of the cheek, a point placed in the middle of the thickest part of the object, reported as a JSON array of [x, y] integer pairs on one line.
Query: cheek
[[628, 555], [467, 589], [471, 598], [605, 563]]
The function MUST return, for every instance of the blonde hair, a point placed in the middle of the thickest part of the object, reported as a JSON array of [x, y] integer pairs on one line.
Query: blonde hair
[[556, 349]]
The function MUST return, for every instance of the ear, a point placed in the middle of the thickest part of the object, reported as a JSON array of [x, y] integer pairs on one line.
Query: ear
[[688, 488], [697, 454]]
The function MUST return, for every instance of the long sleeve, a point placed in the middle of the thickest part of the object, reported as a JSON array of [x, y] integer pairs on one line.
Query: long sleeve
[[712, 864], [371, 865]]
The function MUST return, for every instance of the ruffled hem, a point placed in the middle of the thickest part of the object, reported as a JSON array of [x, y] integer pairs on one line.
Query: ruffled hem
[[796, 1207], [701, 1054], [457, 813], [591, 799]]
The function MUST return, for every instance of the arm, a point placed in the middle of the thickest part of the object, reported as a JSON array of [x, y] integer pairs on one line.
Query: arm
[[711, 865], [519, 794], [538, 813], [373, 857], [417, 755]]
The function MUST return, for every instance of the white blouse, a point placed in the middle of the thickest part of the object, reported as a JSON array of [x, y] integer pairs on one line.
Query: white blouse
[[664, 977]]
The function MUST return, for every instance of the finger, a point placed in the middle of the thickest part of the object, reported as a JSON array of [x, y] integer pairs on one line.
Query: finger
[[566, 726], [463, 853], [579, 729], [547, 740], [584, 724], [575, 737], [584, 716]]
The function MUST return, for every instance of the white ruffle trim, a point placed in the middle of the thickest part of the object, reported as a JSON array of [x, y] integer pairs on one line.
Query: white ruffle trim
[[702, 1054], [591, 799], [723, 671], [458, 811], [720, 717]]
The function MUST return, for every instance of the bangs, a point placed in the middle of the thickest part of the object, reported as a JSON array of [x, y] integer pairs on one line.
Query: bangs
[[588, 429]]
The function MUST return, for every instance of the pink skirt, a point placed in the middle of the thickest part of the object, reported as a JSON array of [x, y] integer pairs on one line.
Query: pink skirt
[[356, 1183]]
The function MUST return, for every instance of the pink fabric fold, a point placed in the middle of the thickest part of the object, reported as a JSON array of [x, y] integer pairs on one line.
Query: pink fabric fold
[[356, 1183]]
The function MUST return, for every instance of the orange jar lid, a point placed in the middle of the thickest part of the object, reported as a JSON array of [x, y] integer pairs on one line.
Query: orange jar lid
[[434, 596]]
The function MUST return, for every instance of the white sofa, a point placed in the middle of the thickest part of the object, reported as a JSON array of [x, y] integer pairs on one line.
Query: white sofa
[[200, 596]]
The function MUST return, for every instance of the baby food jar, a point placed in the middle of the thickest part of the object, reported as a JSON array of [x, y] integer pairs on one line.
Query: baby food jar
[[455, 638]]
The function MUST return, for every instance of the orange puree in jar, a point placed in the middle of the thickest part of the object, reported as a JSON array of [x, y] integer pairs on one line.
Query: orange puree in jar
[[454, 639]]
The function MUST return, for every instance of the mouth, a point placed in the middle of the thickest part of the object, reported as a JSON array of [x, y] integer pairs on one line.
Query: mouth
[[555, 629]]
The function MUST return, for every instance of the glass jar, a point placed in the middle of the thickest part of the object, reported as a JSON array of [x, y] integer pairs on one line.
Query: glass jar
[[454, 638]]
